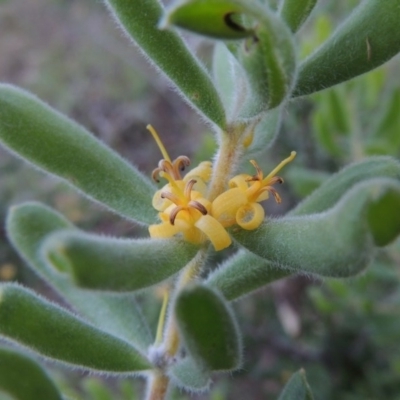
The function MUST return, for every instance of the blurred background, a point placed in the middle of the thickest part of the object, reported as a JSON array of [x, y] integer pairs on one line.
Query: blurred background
[[345, 333]]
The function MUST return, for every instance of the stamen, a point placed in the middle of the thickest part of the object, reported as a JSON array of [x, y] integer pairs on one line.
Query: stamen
[[179, 165], [259, 174], [275, 194], [170, 196], [189, 187], [280, 166], [198, 206], [155, 174], [174, 214], [159, 143]]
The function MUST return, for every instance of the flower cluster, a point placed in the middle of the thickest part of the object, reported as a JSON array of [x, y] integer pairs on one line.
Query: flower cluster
[[185, 210]]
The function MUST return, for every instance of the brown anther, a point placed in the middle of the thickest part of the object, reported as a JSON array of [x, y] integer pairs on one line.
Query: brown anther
[[189, 187], [182, 162], [275, 194], [170, 196], [155, 174], [174, 214], [275, 179], [198, 206]]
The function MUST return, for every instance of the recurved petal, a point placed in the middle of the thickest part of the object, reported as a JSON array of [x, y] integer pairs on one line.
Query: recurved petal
[[225, 206], [240, 181], [159, 203], [203, 171], [214, 231], [250, 216], [163, 231]]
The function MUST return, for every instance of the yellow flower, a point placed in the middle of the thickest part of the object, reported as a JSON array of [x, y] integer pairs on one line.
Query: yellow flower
[[240, 204], [184, 210]]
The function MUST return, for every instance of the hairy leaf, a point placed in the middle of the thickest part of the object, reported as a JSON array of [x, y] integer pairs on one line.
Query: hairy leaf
[[338, 184], [208, 328], [219, 19], [295, 12], [365, 40], [23, 378], [55, 333], [243, 273], [28, 225], [54, 143], [336, 243], [120, 265], [190, 375], [169, 53]]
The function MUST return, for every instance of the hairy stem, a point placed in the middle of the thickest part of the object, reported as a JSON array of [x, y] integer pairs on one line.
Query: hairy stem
[[230, 149], [157, 386]]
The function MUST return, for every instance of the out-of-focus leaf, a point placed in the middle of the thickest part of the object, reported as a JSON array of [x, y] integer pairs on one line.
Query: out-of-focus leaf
[[338, 184], [304, 181], [23, 378], [53, 332], [387, 130], [28, 225], [229, 79], [384, 218], [219, 19], [189, 375], [121, 265], [208, 328], [365, 40], [49, 140], [169, 53], [243, 273], [336, 243], [295, 12], [297, 388]]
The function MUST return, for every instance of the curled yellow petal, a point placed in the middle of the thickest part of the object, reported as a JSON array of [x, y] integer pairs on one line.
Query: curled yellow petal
[[250, 216], [163, 231], [225, 206], [203, 171], [240, 181], [214, 231]]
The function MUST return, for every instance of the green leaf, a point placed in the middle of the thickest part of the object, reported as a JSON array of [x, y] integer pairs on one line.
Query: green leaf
[[384, 220], [386, 131], [297, 388], [336, 243], [170, 54], [229, 79], [270, 62], [266, 131], [303, 181], [55, 333], [365, 40], [327, 195], [295, 12], [101, 263], [59, 146], [23, 378], [189, 375], [243, 273], [220, 19], [28, 225], [208, 328]]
